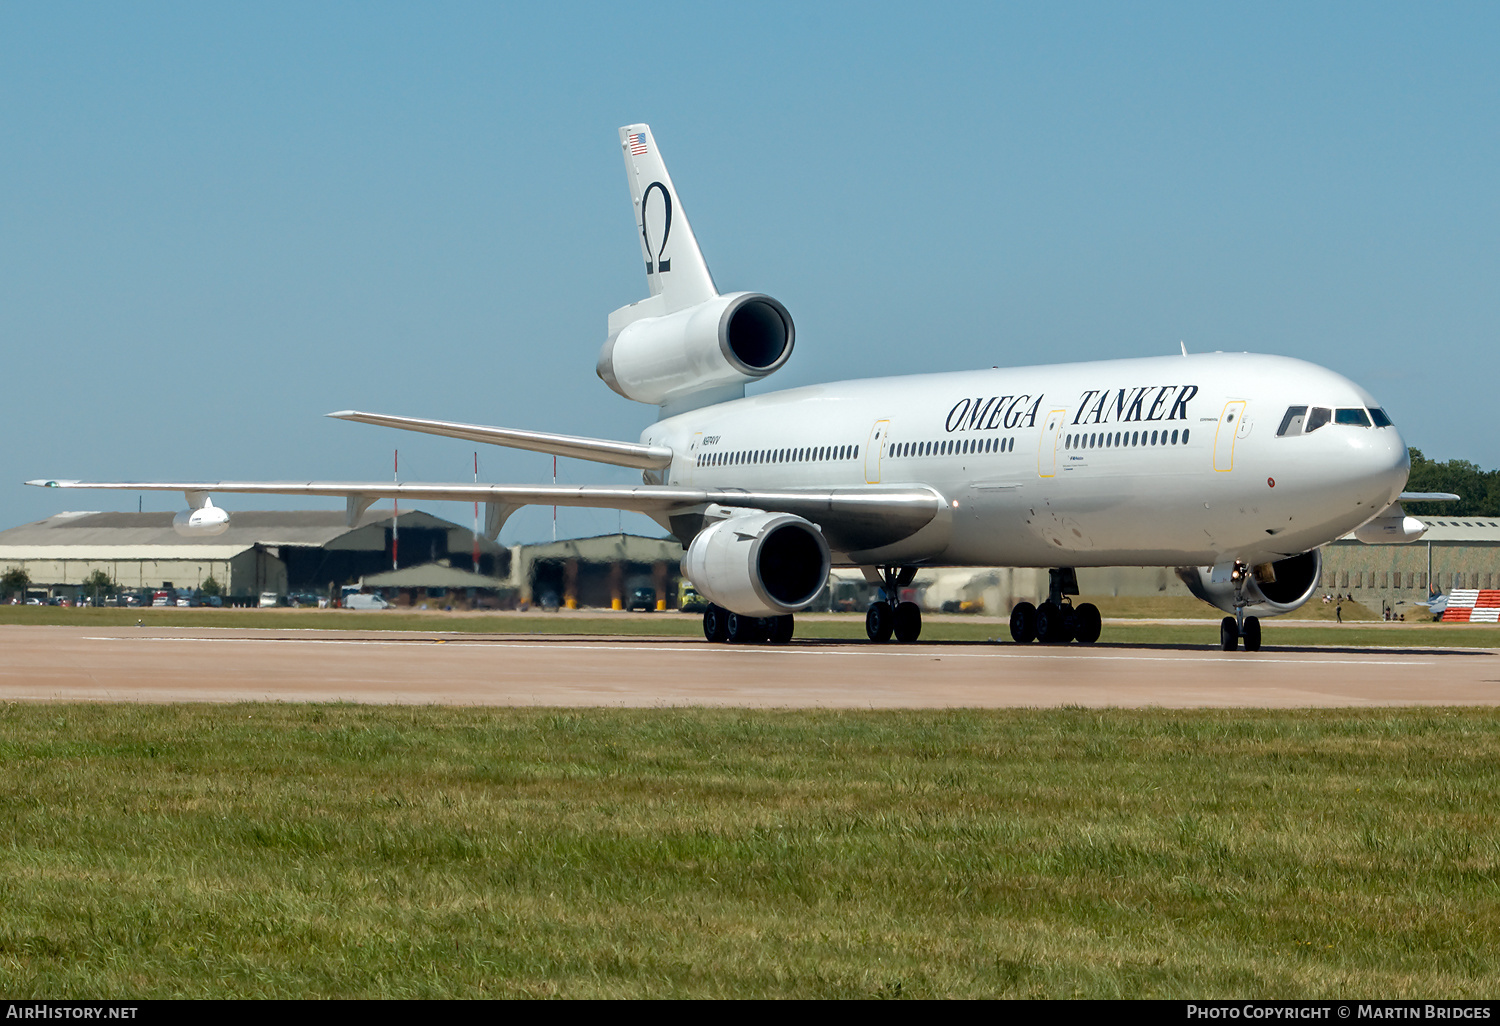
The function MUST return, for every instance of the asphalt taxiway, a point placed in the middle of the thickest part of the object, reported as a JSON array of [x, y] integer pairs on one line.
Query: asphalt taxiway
[[164, 664]]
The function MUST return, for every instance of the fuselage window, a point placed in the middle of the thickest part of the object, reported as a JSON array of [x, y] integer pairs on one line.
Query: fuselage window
[[1319, 416], [1174, 437], [1379, 417], [1353, 418], [1153, 438], [1184, 436]]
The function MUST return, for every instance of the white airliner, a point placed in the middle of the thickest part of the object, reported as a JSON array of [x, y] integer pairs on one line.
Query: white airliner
[[1232, 468]]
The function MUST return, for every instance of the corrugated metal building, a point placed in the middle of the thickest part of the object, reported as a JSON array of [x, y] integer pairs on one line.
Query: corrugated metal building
[[1456, 552], [261, 551]]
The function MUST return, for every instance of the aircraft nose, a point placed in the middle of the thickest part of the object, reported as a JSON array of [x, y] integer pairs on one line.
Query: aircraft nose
[[1384, 459]]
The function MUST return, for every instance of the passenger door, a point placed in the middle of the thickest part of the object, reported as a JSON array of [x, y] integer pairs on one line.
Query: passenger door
[[1229, 429], [1046, 453], [875, 449]]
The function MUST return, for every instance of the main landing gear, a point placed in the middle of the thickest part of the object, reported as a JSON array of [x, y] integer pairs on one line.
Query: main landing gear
[[720, 625], [1232, 629], [1057, 621], [886, 619]]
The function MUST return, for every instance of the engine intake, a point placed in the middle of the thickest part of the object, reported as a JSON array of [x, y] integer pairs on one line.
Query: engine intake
[[725, 341], [1291, 582], [759, 564]]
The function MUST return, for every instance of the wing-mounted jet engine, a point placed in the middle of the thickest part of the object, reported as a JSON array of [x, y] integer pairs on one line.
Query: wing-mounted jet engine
[[1270, 589], [685, 340], [759, 564], [204, 521]]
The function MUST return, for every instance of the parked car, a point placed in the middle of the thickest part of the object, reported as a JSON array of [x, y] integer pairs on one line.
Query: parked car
[[268, 599], [365, 602], [643, 599]]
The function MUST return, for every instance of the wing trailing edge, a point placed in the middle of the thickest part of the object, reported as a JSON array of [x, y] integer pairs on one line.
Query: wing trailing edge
[[860, 518]]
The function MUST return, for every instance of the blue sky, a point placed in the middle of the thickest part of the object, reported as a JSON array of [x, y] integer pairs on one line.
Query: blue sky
[[221, 222]]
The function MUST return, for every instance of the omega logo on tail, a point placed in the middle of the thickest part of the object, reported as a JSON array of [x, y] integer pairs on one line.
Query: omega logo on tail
[[666, 231]]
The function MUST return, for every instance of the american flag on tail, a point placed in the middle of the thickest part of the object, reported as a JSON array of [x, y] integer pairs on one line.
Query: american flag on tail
[[637, 141]]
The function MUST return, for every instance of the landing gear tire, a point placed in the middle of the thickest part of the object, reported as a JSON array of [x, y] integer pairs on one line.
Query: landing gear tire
[[745, 630], [1052, 624], [1229, 634], [1023, 623], [1252, 634], [781, 629], [1087, 623], [716, 624], [907, 624], [880, 621]]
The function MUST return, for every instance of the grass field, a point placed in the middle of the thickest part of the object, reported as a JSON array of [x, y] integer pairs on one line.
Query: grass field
[[286, 850]]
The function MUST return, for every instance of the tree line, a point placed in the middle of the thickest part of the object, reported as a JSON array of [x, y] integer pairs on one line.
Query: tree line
[[1479, 490]]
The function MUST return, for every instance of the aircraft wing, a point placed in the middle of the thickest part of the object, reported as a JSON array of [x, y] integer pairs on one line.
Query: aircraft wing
[[851, 518], [598, 450], [1427, 497]]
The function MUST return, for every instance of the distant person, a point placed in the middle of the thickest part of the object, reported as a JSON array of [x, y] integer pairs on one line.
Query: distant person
[[1338, 610]]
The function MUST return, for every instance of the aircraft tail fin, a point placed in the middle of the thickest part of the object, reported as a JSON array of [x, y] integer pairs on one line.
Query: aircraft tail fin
[[675, 268]]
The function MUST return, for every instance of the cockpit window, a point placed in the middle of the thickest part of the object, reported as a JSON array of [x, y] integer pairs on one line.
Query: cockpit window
[[1291, 424], [1354, 418], [1319, 416], [1379, 417]]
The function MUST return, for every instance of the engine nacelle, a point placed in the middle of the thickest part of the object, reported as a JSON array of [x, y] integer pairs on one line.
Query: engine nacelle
[[1289, 583], [759, 564], [725, 341], [1392, 527], [207, 520]]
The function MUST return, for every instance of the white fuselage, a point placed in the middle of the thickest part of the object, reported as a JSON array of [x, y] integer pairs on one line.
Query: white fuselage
[[1169, 461]]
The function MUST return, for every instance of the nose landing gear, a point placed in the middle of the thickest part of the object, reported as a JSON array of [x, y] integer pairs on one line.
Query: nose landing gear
[[1233, 629]]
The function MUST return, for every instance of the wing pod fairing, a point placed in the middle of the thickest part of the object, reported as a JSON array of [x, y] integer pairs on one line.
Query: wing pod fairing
[[205, 521]]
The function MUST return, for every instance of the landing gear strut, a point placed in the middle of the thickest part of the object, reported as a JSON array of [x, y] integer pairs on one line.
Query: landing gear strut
[[1056, 621], [889, 617], [1239, 626]]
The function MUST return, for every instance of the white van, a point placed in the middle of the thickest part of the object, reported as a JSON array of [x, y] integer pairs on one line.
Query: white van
[[268, 599], [365, 602]]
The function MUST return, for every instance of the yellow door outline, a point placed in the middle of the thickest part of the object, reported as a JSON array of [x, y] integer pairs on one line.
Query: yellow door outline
[[1229, 426], [875, 449], [1046, 453]]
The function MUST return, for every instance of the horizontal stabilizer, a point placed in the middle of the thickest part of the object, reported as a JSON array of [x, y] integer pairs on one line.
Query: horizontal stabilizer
[[596, 450]]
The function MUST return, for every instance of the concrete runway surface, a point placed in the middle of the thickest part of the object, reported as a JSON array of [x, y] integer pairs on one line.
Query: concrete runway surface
[[191, 664]]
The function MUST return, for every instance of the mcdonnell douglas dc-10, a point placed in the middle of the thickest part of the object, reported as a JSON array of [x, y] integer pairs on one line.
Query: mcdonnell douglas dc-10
[[1230, 467]]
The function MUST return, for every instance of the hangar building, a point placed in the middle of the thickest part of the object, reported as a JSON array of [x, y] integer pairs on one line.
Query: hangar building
[[261, 551]]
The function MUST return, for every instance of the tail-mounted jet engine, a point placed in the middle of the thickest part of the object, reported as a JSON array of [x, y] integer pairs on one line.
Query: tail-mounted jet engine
[[722, 342], [1270, 589], [759, 564], [206, 520]]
